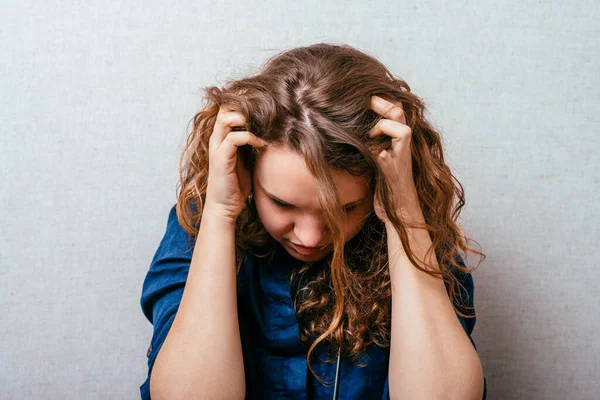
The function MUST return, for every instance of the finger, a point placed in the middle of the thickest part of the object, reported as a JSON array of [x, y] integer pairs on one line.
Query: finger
[[383, 154], [393, 129], [236, 139], [244, 177], [226, 120], [387, 109]]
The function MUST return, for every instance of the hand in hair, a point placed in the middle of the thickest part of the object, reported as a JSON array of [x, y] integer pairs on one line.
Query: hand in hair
[[229, 183], [396, 160]]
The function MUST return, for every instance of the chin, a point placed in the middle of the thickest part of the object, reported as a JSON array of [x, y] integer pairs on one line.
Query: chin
[[310, 257]]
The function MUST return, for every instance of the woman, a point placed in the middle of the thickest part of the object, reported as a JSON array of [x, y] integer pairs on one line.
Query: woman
[[313, 251]]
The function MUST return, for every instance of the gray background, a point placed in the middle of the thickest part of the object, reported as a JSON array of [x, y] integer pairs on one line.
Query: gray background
[[94, 101]]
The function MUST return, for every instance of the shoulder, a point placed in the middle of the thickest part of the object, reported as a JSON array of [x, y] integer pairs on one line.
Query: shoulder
[[175, 239]]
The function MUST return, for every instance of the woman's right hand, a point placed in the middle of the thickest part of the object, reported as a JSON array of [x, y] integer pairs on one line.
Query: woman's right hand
[[229, 183]]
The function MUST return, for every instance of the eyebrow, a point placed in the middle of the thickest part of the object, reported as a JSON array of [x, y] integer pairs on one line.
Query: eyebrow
[[352, 203]]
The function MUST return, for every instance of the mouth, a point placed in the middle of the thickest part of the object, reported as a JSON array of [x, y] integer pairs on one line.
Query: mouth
[[306, 250]]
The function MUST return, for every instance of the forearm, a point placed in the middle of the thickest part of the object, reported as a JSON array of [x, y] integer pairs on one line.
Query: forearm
[[202, 354], [431, 356]]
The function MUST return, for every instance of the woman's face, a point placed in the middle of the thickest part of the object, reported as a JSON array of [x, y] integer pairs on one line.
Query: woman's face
[[286, 198]]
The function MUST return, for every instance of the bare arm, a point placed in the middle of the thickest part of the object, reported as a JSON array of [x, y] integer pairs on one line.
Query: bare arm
[[202, 354], [431, 356], [201, 357]]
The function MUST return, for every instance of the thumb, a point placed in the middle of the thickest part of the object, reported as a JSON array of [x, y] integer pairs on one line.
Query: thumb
[[244, 178]]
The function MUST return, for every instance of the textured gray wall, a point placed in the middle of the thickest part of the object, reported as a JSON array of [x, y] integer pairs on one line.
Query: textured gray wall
[[94, 101]]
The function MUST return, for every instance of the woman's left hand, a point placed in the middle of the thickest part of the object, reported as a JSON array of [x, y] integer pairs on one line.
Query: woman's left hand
[[396, 161]]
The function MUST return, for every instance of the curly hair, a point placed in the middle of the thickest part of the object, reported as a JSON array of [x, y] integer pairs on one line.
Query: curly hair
[[314, 101]]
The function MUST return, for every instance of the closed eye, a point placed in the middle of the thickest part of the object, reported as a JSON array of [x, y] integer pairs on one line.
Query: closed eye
[[286, 206], [351, 208], [280, 204]]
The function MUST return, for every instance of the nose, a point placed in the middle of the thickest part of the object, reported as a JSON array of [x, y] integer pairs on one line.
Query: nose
[[311, 232]]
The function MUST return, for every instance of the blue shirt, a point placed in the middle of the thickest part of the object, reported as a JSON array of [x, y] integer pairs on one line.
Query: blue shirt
[[274, 356]]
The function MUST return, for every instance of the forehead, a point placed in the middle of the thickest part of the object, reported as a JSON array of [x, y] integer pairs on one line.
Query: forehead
[[283, 173]]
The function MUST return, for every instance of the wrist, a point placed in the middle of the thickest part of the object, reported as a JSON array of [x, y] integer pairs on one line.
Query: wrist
[[412, 217], [216, 214]]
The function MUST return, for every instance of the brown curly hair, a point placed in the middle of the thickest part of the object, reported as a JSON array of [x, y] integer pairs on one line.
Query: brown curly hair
[[314, 101]]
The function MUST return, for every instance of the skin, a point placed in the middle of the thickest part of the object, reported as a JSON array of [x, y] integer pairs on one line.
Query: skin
[[202, 353], [291, 212], [431, 356], [299, 219]]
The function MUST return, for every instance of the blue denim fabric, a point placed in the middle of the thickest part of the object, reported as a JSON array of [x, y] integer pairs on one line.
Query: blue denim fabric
[[274, 356]]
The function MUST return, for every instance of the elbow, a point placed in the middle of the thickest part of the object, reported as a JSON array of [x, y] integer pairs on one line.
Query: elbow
[[164, 389], [169, 380], [168, 394], [475, 382], [469, 385]]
